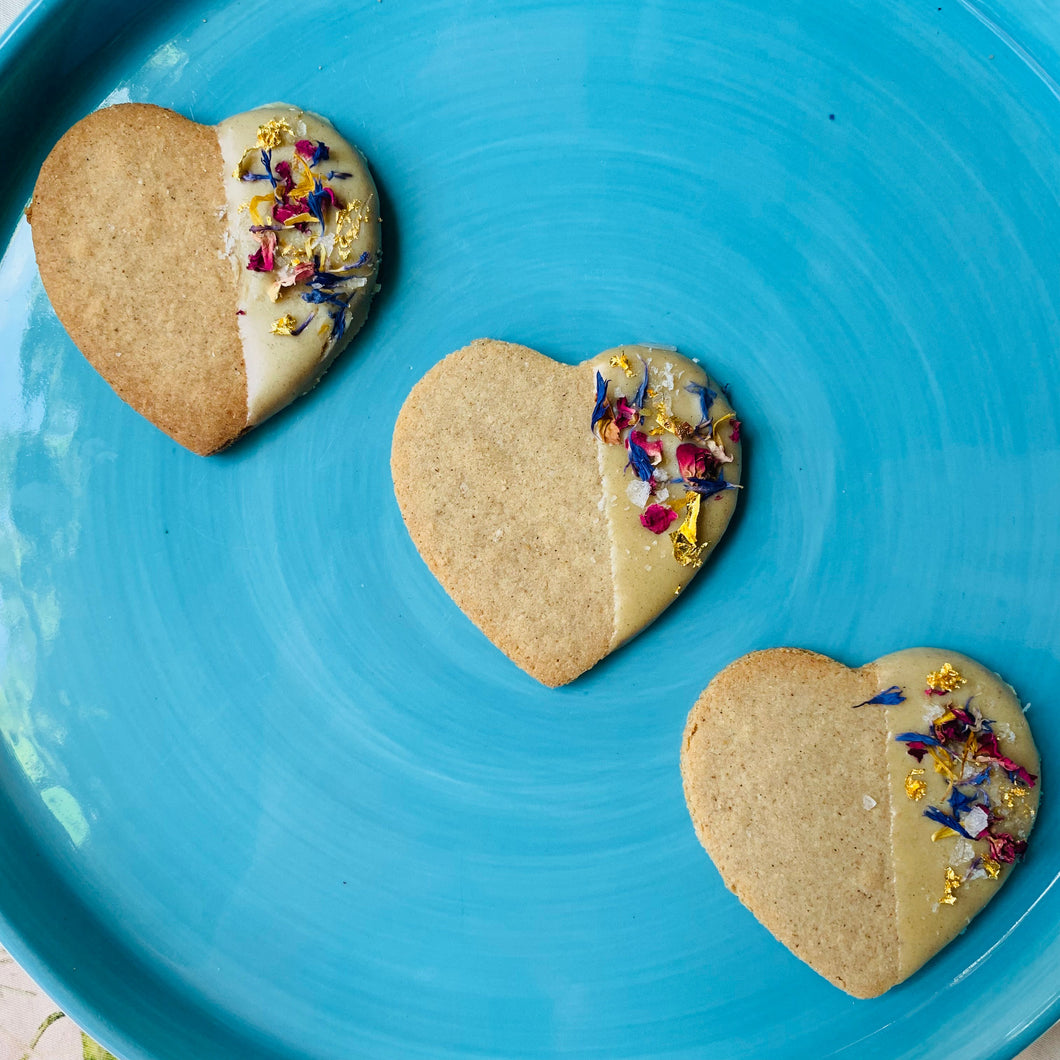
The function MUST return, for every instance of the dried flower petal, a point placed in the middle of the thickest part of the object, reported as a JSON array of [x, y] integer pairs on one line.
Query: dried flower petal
[[657, 518], [706, 397], [1004, 848], [625, 414], [312, 152], [601, 408], [695, 462], [640, 458], [889, 697], [263, 259]]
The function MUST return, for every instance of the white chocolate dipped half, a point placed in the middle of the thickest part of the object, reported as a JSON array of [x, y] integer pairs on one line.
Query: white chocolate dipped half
[[303, 224], [668, 447]]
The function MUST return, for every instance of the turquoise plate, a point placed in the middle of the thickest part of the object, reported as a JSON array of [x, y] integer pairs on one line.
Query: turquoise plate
[[264, 791]]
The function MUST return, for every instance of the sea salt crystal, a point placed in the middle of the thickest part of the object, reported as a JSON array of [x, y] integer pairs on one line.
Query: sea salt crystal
[[868, 802], [975, 821], [638, 492]]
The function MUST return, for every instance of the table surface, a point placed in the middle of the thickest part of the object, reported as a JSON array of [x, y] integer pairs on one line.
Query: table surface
[[33, 1028]]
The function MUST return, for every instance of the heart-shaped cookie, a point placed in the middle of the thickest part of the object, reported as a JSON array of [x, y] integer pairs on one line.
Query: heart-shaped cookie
[[864, 816], [210, 274], [563, 507]]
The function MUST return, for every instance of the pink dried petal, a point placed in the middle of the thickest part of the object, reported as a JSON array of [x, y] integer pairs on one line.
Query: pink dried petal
[[695, 462], [263, 259], [625, 414], [657, 518], [283, 211], [652, 446]]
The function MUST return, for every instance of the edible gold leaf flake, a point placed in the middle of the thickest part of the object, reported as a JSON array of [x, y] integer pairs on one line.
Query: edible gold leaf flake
[[915, 788], [348, 223], [687, 551], [1010, 795], [668, 422], [946, 679], [992, 868], [270, 135], [620, 360], [949, 887], [284, 326]]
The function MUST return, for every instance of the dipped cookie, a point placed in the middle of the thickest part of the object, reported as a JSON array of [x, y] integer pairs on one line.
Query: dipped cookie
[[563, 507], [214, 272], [864, 816]]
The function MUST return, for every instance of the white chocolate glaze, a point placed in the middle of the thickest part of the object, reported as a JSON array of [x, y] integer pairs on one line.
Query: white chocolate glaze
[[925, 922], [279, 367], [645, 572]]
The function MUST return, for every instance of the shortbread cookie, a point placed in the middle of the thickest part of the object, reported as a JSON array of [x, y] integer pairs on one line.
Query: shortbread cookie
[[564, 507], [864, 816], [209, 274]]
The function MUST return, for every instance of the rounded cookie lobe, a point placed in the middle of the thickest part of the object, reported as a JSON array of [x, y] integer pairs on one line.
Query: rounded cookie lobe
[[128, 220]]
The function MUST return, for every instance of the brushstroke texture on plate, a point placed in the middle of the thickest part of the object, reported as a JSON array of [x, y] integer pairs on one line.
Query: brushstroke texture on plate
[[266, 792]]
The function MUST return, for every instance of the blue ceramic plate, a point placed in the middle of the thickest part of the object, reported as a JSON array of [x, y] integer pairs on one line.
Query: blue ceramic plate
[[265, 792]]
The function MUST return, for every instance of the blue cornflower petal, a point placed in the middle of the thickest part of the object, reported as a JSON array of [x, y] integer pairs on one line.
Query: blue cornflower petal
[[889, 697], [601, 401]]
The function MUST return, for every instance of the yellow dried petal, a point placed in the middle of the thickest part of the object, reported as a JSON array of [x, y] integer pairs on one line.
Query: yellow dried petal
[[718, 422], [915, 788], [620, 360], [254, 203], [270, 135], [944, 764], [942, 833], [945, 679], [284, 326]]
